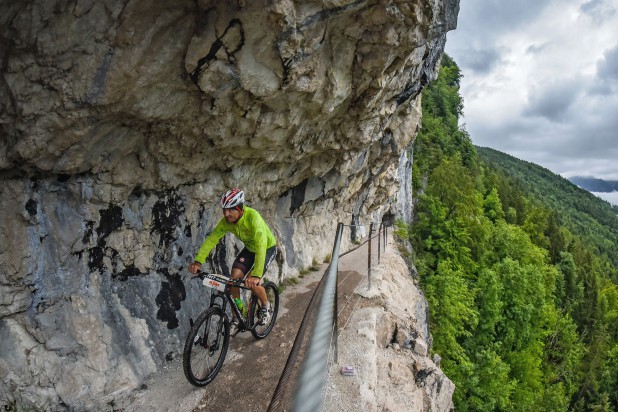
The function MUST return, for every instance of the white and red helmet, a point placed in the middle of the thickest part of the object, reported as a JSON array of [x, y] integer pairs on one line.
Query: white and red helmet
[[232, 198]]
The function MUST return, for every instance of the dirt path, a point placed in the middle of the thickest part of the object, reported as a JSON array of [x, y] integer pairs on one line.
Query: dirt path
[[252, 368]]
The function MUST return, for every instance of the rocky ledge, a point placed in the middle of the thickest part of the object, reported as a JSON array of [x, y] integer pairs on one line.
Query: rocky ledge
[[387, 342]]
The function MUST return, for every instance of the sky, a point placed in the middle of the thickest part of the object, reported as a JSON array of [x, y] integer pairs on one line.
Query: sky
[[540, 81], [611, 197]]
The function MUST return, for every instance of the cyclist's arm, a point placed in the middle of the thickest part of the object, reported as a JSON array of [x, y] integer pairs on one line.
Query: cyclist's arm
[[211, 241], [261, 241]]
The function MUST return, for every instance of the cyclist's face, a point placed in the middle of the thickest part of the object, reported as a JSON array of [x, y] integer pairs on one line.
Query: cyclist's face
[[232, 215]]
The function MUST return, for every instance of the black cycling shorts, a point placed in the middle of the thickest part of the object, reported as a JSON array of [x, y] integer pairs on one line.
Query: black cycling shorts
[[246, 259]]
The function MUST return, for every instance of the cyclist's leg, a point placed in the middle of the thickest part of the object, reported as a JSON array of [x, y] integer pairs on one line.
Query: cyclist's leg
[[236, 274], [242, 265], [259, 290]]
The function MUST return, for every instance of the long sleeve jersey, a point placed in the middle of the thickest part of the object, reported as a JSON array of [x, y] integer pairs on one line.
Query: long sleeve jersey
[[251, 230]]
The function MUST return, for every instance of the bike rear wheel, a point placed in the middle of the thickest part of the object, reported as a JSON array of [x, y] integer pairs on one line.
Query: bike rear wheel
[[206, 347], [261, 330]]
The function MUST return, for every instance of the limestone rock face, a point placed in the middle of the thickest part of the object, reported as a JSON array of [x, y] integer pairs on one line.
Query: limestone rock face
[[122, 121]]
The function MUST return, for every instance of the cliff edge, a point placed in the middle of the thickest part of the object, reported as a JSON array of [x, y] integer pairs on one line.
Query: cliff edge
[[387, 342]]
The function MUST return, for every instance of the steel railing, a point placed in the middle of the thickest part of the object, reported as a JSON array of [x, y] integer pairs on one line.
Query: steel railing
[[325, 331]]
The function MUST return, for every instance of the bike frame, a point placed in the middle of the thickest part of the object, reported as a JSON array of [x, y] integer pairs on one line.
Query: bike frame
[[216, 294]]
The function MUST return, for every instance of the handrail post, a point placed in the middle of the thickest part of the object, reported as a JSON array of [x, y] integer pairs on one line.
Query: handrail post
[[369, 258], [379, 244]]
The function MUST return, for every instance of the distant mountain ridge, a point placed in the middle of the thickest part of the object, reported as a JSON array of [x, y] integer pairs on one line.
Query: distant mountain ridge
[[593, 184]]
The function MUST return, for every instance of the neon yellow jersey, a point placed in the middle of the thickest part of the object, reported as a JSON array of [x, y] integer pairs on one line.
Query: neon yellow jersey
[[251, 230]]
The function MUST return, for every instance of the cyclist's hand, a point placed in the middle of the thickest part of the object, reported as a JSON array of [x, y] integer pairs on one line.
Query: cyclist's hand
[[252, 281], [195, 267]]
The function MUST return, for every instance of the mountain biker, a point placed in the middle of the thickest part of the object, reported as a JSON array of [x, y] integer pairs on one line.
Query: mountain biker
[[260, 246]]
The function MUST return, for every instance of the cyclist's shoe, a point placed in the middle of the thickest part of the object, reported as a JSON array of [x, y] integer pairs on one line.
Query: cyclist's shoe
[[264, 316]]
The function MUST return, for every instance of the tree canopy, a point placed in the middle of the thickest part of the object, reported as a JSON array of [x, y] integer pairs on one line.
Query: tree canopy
[[519, 267]]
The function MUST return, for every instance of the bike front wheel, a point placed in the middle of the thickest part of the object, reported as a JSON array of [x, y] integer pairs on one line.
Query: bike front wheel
[[259, 327], [206, 347]]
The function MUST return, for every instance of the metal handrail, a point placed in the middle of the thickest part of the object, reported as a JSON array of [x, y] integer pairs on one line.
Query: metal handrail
[[315, 366], [275, 403], [313, 373], [360, 244]]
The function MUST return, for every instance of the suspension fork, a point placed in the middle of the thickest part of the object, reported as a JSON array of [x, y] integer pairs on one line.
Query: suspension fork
[[220, 323]]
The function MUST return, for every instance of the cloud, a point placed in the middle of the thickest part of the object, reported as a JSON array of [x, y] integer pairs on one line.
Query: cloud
[[552, 100], [608, 66], [586, 166], [540, 80], [480, 61], [534, 49], [599, 10], [500, 16], [607, 73]]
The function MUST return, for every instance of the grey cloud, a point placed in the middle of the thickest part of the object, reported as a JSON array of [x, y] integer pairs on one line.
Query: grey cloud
[[534, 48], [599, 10], [569, 150], [585, 165], [552, 101], [590, 130], [569, 121], [582, 142], [480, 61], [606, 82], [608, 66], [601, 88], [500, 16], [481, 23], [507, 136]]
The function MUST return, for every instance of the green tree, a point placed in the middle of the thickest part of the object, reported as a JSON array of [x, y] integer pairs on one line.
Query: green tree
[[492, 206]]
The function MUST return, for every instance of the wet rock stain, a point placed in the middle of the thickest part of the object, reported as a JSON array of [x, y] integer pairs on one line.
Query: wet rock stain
[[130, 270], [31, 207], [166, 215], [111, 219], [169, 299]]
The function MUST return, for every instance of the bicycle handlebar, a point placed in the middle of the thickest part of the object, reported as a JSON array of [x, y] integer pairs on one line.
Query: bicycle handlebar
[[233, 282]]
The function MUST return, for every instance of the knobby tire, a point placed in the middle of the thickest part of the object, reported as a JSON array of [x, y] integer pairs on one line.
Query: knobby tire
[[206, 346], [261, 331]]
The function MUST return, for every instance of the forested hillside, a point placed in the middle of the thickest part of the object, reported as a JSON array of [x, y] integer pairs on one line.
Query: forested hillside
[[577, 209], [518, 266]]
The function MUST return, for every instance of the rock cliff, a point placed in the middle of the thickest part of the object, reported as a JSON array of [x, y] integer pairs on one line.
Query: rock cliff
[[122, 121]]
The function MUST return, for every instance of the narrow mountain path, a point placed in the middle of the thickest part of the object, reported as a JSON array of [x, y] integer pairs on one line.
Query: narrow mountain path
[[252, 368]]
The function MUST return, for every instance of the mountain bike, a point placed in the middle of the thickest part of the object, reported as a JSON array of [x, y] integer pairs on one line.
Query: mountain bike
[[209, 337]]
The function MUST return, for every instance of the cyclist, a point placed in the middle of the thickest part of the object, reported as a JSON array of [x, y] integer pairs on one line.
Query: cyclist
[[260, 246]]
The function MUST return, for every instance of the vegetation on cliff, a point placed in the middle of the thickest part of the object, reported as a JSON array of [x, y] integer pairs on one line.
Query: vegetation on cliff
[[519, 268]]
